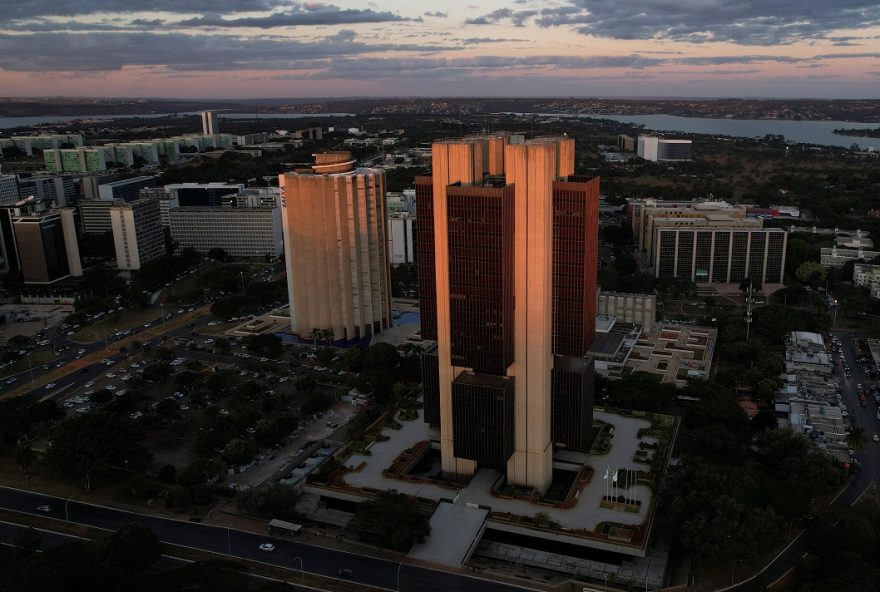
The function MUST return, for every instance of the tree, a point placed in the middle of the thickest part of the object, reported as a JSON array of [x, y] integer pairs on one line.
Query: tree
[[86, 447], [167, 474], [317, 403], [273, 501], [856, 438], [238, 452], [267, 344], [156, 372], [354, 359], [27, 542], [811, 273], [306, 384], [217, 253], [394, 520], [24, 457], [131, 549], [325, 356]]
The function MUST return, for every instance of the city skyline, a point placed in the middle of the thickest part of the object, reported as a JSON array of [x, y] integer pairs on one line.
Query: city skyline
[[282, 48]]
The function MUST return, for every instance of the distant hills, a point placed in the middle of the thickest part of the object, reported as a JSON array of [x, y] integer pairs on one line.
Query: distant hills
[[866, 110]]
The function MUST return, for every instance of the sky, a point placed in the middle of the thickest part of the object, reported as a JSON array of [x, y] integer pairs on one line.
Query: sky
[[206, 49]]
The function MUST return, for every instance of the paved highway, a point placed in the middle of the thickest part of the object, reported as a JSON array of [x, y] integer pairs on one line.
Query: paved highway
[[288, 553]]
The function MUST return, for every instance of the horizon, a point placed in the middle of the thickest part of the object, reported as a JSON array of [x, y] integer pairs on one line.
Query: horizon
[[259, 49]]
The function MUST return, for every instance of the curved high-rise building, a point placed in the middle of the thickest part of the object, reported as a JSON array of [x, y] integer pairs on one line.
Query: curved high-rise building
[[335, 247]]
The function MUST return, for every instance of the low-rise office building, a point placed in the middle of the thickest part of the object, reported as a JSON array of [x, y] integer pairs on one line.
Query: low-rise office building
[[867, 276], [634, 309], [658, 149], [241, 232], [711, 255], [126, 189], [9, 194], [137, 232], [837, 257]]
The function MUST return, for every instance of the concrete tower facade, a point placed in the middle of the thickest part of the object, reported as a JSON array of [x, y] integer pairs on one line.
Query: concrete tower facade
[[210, 123], [335, 246], [507, 242]]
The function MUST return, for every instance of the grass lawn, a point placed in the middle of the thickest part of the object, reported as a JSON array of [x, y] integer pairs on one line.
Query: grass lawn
[[38, 358], [119, 322]]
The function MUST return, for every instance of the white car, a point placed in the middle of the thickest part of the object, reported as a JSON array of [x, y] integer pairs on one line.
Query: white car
[[50, 386], [89, 384], [876, 438], [110, 375], [44, 509], [267, 547]]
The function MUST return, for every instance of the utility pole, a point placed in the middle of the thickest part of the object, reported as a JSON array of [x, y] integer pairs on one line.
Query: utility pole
[[750, 300]]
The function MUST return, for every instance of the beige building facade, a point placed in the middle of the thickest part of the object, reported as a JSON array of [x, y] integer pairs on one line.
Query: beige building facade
[[336, 248], [481, 385]]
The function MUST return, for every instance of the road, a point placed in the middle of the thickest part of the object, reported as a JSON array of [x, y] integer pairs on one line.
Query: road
[[227, 541], [864, 417]]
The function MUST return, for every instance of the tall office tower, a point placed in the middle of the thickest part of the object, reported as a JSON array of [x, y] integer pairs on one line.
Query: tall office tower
[[8, 189], [137, 232], [336, 247], [507, 242], [46, 245], [210, 124]]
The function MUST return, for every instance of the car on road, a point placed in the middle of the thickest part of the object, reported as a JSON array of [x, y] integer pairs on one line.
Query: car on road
[[267, 547], [50, 386], [11, 380], [876, 438], [44, 509], [89, 384], [346, 573]]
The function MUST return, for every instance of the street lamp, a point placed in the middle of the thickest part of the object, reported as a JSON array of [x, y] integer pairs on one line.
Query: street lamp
[[243, 290], [162, 308], [732, 568], [398, 575], [301, 570], [66, 513], [790, 524]]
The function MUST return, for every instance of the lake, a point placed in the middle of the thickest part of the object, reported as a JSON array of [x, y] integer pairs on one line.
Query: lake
[[807, 132], [10, 122]]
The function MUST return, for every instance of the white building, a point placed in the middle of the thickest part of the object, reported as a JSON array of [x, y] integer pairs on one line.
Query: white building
[[241, 232], [137, 233], [867, 276], [634, 309], [210, 125], [805, 353], [836, 257], [401, 231], [657, 149]]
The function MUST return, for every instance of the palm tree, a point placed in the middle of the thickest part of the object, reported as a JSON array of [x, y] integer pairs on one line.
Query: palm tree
[[313, 335], [329, 335]]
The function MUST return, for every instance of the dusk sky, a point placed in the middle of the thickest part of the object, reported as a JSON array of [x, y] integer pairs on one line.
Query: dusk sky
[[281, 48]]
